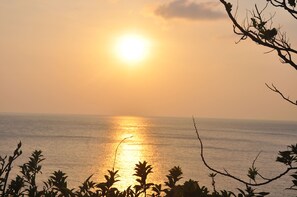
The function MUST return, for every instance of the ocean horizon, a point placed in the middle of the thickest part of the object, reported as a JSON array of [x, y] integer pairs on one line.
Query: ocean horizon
[[81, 145]]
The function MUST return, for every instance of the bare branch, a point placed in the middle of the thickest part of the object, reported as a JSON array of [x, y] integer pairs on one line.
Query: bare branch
[[227, 174], [253, 164], [274, 89]]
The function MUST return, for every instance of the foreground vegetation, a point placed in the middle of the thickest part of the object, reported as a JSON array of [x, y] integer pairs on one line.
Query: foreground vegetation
[[25, 184]]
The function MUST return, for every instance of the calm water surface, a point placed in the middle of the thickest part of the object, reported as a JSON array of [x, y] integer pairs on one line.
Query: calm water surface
[[85, 145]]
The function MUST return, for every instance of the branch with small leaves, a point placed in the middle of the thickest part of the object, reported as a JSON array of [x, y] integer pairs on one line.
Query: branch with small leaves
[[288, 5], [260, 30], [6, 166]]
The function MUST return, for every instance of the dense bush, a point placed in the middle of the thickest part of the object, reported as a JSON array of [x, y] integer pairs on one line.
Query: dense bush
[[56, 185]]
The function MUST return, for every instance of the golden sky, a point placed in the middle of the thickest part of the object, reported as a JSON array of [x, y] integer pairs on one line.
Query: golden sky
[[59, 57]]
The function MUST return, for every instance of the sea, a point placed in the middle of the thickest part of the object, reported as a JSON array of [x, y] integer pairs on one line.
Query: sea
[[84, 145]]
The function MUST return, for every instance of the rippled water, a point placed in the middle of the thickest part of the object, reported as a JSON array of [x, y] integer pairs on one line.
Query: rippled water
[[85, 145]]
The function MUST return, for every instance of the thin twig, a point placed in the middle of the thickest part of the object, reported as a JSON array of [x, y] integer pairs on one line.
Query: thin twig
[[115, 154], [253, 164], [274, 89]]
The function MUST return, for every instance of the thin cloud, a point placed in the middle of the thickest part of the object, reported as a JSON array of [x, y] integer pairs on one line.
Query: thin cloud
[[189, 10]]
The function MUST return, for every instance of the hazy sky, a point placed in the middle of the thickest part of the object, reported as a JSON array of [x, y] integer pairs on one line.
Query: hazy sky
[[57, 56]]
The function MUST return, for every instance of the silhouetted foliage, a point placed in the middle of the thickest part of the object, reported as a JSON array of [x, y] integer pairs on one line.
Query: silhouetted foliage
[[57, 185], [5, 168], [262, 31], [142, 170]]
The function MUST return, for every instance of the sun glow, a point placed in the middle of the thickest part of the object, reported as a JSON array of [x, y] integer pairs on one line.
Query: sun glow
[[132, 48]]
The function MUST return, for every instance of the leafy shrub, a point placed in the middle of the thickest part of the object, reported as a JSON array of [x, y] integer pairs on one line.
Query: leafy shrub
[[56, 185]]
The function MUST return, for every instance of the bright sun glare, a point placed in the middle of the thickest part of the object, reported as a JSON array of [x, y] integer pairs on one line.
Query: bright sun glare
[[132, 48]]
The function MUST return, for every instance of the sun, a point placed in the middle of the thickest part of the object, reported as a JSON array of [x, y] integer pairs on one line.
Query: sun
[[132, 48]]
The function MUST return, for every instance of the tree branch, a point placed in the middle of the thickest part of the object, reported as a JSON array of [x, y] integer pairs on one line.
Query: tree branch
[[227, 174], [257, 31], [274, 89], [282, 4]]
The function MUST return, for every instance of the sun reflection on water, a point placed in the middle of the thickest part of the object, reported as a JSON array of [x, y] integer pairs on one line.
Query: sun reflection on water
[[131, 150]]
